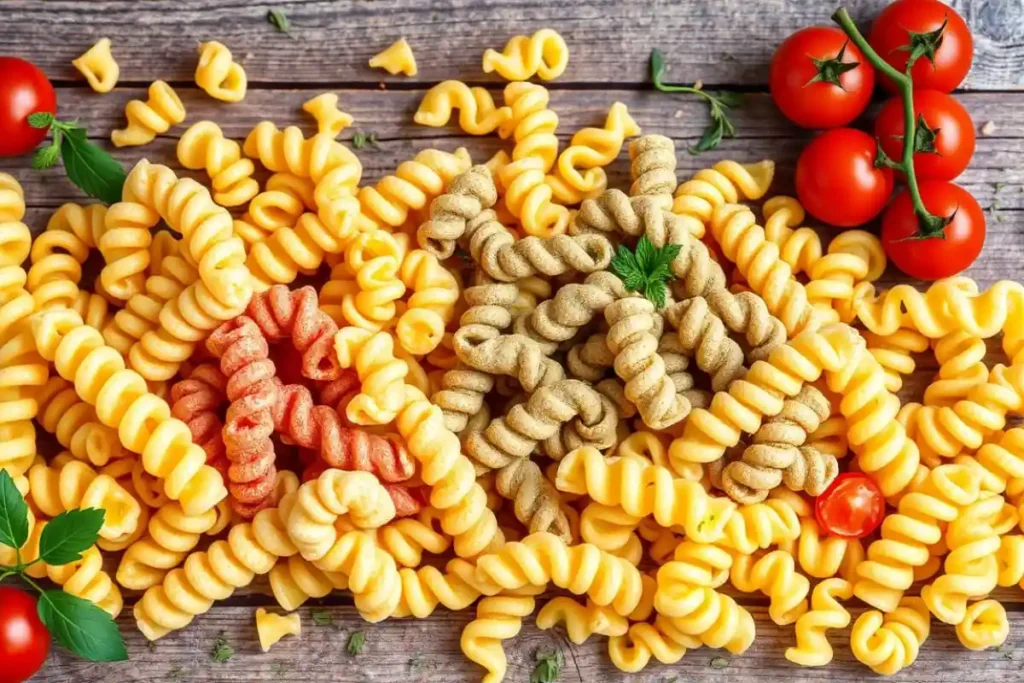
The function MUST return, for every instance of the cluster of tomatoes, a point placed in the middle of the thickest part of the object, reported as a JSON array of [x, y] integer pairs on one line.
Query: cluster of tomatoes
[[820, 79]]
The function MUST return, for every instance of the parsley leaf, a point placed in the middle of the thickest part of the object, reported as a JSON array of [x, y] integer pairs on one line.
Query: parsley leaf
[[356, 643], [361, 140], [322, 617], [279, 20], [221, 651], [719, 663], [718, 102], [549, 666], [647, 270]]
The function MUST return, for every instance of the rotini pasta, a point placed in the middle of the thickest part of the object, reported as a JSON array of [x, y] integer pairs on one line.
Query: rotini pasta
[[544, 54], [77, 486], [203, 146], [477, 113], [889, 643], [812, 646], [497, 618], [148, 119], [219, 74]]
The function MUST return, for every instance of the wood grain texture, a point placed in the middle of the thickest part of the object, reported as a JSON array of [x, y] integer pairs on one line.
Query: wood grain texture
[[726, 43], [331, 42]]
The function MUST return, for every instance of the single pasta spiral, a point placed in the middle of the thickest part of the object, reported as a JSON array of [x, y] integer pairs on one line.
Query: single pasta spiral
[[382, 375], [727, 182], [663, 640], [74, 423], [543, 54], [821, 555], [759, 526], [77, 486], [652, 166], [477, 112], [961, 367], [581, 621], [283, 313], [812, 646], [148, 119], [407, 539], [123, 402], [889, 643], [703, 335], [431, 305], [203, 146], [456, 588], [219, 74], [893, 353], [985, 625], [497, 618], [775, 575], [124, 245], [12, 199], [59, 251], [467, 198]]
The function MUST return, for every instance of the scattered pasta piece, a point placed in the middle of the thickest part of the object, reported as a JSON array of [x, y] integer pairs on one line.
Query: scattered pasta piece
[[98, 66], [329, 119], [397, 58], [273, 627], [544, 54], [219, 74], [148, 119]]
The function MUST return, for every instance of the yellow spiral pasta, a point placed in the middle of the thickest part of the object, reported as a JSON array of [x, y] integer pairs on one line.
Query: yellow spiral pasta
[[497, 618], [59, 252], [171, 536], [542, 557], [410, 189], [1000, 461], [985, 625], [532, 126], [822, 555], [98, 66], [581, 621], [775, 575], [370, 299], [77, 486], [219, 74], [686, 595], [396, 58], [971, 570], [727, 182], [611, 529], [961, 367], [643, 490], [83, 578], [744, 243], [319, 503], [889, 643], [662, 640], [141, 313], [125, 246], [477, 113], [432, 303], [455, 588], [251, 549], [906, 535], [893, 353], [579, 173], [324, 110], [408, 538], [760, 526], [204, 147], [206, 229], [450, 474], [122, 402], [383, 392], [812, 646], [74, 423], [544, 54], [12, 199], [148, 119], [294, 580]]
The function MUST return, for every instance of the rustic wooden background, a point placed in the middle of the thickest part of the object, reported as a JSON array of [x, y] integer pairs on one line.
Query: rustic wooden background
[[725, 44]]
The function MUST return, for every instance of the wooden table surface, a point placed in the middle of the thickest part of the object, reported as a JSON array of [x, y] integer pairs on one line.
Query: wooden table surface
[[725, 44]]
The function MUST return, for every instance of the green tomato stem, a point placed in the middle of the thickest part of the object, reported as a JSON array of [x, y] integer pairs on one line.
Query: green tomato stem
[[931, 226]]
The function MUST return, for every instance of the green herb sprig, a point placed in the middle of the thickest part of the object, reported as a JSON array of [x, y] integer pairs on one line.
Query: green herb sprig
[[88, 166], [279, 20], [322, 617], [719, 103], [221, 651], [361, 140], [647, 270], [549, 666], [356, 643], [77, 624]]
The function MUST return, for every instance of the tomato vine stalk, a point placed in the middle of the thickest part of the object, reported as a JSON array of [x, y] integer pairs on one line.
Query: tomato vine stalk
[[930, 226]]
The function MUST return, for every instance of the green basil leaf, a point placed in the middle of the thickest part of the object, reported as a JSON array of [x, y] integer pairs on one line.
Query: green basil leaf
[[70, 534], [91, 168], [634, 281], [624, 263], [82, 627], [711, 138], [13, 513], [645, 255], [656, 293], [657, 66]]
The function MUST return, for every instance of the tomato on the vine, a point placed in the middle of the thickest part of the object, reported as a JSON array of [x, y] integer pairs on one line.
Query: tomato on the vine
[[851, 507], [837, 180], [819, 79], [931, 258], [24, 90], [945, 134], [934, 33], [24, 641]]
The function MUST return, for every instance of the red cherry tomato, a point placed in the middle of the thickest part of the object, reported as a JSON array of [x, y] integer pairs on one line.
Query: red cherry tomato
[[837, 181], [852, 507], [897, 25], [952, 127], [24, 641], [24, 90], [931, 259], [817, 95]]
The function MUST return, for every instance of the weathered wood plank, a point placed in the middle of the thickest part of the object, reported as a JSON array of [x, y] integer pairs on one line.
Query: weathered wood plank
[[428, 650], [610, 40]]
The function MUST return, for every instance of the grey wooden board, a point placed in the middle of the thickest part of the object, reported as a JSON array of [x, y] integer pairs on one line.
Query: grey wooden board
[[726, 43], [717, 42]]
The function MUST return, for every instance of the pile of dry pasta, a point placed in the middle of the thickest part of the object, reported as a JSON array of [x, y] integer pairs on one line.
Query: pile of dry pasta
[[475, 381]]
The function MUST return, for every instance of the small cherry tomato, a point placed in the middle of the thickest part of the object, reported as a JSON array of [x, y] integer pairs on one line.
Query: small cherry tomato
[[934, 257], [837, 180], [852, 507], [24, 90], [945, 55], [819, 79], [24, 641], [944, 128]]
